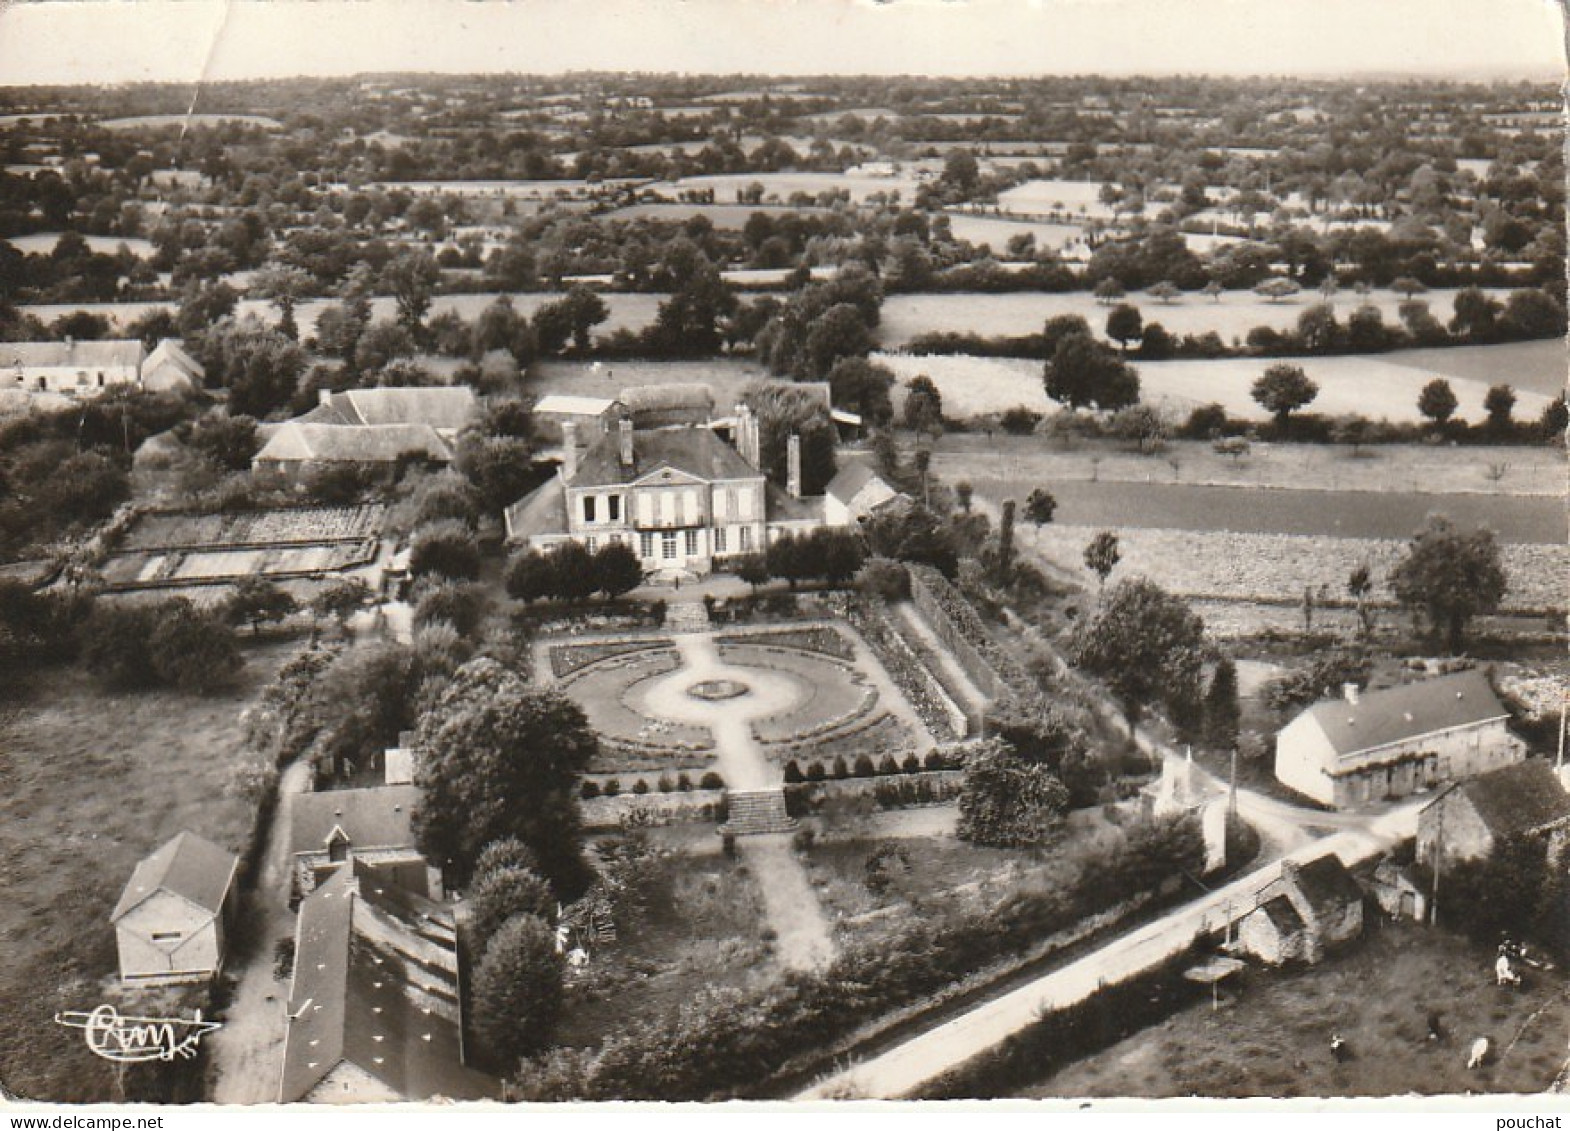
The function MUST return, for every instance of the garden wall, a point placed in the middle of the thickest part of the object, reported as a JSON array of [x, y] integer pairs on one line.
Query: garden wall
[[654, 808], [954, 621]]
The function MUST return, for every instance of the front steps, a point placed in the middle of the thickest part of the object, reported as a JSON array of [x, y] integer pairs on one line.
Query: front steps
[[686, 616], [751, 812]]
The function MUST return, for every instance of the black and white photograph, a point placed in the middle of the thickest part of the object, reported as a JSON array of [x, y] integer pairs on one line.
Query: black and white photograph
[[791, 551]]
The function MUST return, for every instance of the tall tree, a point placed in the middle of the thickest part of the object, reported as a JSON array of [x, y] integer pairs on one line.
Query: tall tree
[[1282, 390], [410, 277], [1450, 576], [1006, 802], [1437, 401], [1084, 373], [518, 989], [1146, 644], [1125, 324], [1102, 556], [1221, 706]]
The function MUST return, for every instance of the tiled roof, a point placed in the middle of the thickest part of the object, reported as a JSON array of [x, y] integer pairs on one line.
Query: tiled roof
[[173, 353], [187, 865], [542, 511], [446, 407], [561, 404], [694, 450], [377, 817], [68, 355], [1518, 798], [849, 479], [1409, 711]]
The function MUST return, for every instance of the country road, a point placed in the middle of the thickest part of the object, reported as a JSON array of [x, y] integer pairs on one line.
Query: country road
[[902, 1070]]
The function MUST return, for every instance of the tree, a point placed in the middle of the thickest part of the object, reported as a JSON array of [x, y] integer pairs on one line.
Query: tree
[[1142, 424], [446, 548], [341, 599], [1006, 802], [1499, 402], [963, 493], [477, 785], [1449, 576], [617, 569], [751, 568], [1108, 291], [1040, 506], [1556, 418], [1222, 712], [260, 367], [1102, 556], [497, 466], [229, 441], [255, 600], [1476, 315], [499, 894], [573, 575], [783, 409], [1005, 558], [410, 277], [924, 407], [1533, 313], [1125, 324], [1282, 390], [518, 989], [1408, 286], [460, 605], [1437, 401], [531, 577], [1360, 586], [1084, 373], [1164, 291], [1146, 644], [1277, 289], [1214, 290]]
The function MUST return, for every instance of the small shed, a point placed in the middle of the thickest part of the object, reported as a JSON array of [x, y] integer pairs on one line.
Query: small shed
[[172, 920], [1307, 910]]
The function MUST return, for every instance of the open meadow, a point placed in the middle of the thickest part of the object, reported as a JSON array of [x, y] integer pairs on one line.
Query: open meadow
[[90, 782], [1271, 1036]]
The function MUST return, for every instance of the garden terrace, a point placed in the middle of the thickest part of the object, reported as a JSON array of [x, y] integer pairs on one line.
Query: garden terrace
[[940, 714], [289, 527], [608, 692], [830, 695], [822, 639], [955, 621]]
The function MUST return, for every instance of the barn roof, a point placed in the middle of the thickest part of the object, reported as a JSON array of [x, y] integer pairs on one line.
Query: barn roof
[[295, 442], [187, 865], [1411, 710], [375, 985], [1326, 883], [169, 351], [560, 404], [111, 354], [376, 817], [1519, 798]]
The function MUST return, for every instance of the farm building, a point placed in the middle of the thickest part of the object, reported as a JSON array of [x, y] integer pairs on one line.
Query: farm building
[[169, 369], [173, 918], [667, 406], [1466, 819], [373, 827], [855, 492], [1307, 910], [374, 1012], [295, 449], [447, 409], [1364, 748], [1398, 891], [591, 416], [70, 368]]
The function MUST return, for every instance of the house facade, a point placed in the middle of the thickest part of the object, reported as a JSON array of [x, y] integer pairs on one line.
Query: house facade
[[173, 918], [1467, 819], [1366, 748], [680, 497], [70, 368]]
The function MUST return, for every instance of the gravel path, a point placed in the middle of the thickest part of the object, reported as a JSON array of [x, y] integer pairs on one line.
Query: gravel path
[[803, 940]]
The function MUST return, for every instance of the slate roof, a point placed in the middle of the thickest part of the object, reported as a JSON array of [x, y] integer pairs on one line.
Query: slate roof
[[376, 985], [1518, 798], [850, 479], [1395, 714], [448, 407], [1326, 884], [295, 442], [72, 355], [376, 817], [1283, 915], [782, 508], [541, 511], [561, 404], [696, 451], [187, 865]]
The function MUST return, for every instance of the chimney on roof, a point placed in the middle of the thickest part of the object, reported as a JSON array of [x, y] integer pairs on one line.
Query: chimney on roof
[[324, 397], [793, 466], [1349, 693], [569, 450], [625, 437]]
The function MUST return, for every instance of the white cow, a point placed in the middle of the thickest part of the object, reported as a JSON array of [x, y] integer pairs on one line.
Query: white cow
[[1504, 973], [1478, 1054]]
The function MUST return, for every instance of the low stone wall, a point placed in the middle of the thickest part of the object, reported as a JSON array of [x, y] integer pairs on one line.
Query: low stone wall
[[655, 808]]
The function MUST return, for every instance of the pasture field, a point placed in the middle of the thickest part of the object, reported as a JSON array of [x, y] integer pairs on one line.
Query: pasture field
[[1271, 1037], [996, 231], [778, 187], [726, 377], [42, 243], [1232, 314], [1416, 468], [1377, 386], [729, 217], [94, 781]]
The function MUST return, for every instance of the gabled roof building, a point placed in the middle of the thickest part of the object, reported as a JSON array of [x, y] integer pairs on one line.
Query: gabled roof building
[[171, 922], [1467, 819]]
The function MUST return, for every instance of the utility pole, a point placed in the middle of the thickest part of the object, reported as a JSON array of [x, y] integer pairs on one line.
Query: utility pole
[[1439, 837], [1232, 795]]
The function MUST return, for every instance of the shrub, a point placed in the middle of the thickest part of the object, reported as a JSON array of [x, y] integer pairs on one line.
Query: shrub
[[815, 771], [640, 787], [665, 785], [792, 773], [611, 787], [803, 839], [934, 760], [518, 988], [863, 767], [447, 548], [711, 780], [683, 783], [841, 770], [911, 764], [885, 578], [589, 788]]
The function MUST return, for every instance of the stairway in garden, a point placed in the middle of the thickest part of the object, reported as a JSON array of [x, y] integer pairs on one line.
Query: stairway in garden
[[753, 811], [686, 616]]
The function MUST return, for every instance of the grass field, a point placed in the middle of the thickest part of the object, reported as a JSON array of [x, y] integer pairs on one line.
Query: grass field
[[1377, 386], [156, 121], [42, 243], [93, 781], [1272, 1037], [996, 231], [778, 187], [726, 377], [1232, 315]]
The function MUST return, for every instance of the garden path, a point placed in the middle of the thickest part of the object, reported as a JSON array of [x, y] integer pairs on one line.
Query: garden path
[[803, 940]]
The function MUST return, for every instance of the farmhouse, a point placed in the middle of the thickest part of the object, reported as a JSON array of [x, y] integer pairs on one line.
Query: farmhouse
[[374, 428], [1307, 910], [71, 368], [373, 827], [1467, 819], [169, 369], [447, 409], [855, 492], [173, 918], [375, 1011], [1391, 743]]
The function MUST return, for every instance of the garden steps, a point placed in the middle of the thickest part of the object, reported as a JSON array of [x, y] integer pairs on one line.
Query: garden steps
[[686, 616], [751, 812]]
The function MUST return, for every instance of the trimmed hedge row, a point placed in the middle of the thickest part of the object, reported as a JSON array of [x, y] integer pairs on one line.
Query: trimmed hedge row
[[869, 616]]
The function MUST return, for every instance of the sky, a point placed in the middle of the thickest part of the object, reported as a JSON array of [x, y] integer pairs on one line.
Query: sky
[[106, 41]]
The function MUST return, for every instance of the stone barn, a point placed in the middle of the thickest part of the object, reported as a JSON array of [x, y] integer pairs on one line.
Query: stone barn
[[1306, 911]]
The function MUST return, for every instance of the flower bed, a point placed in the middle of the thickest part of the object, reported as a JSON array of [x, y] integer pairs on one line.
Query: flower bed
[[940, 714], [569, 658], [955, 622], [822, 639], [834, 695], [874, 735], [602, 690]]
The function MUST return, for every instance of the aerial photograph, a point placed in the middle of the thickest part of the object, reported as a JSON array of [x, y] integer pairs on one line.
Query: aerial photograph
[[783, 550]]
